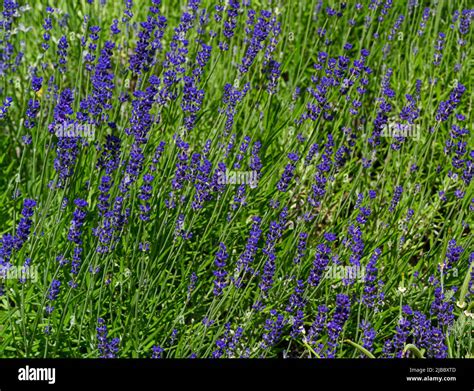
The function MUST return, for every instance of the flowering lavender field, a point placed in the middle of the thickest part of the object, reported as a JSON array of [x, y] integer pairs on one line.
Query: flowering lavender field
[[236, 179]]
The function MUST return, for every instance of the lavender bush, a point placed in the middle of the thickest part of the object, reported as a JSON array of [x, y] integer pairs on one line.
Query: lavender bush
[[236, 179]]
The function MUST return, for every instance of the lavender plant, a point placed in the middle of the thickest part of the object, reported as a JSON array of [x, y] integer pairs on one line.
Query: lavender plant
[[236, 179]]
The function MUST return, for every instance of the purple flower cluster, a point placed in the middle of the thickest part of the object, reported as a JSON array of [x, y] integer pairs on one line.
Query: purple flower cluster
[[220, 273], [321, 176], [110, 227], [301, 248], [157, 351], [438, 55], [373, 295], [261, 30], [317, 328], [230, 24], [9, 243], [144, 196], [424, 19], [442, 309], [108, 348], [336, 324], [396, 198], [415, 328], [229, 343], [24, 226], [274, 233], [453, 253], [321, 261], [95, 106], [192, 95], [247, 257], [62, 53], [447, 107], [149, 40], [53, 295], [232, 97], [75, 235], [288, 174], [368, 336], [175, 57], [5, 106], [273, 329]]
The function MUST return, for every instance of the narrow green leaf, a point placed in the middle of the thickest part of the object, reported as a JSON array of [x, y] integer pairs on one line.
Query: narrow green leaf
[[412, 348], [360, 348]]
